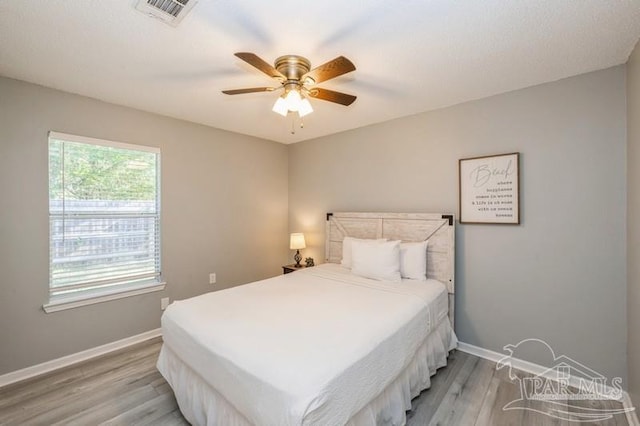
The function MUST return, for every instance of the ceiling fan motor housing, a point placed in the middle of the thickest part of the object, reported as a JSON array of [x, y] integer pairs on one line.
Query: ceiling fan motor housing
[[293, 67]]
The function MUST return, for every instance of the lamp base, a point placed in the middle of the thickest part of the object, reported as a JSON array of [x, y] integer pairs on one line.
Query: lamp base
[[297, 257]]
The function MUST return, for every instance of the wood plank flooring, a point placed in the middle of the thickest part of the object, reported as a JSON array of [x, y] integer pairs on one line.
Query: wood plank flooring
[[124, 388]]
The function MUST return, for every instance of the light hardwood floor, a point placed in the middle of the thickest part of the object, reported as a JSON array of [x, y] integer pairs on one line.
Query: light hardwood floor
[[124, 388]]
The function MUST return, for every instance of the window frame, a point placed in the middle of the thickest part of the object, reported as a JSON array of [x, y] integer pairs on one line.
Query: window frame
[[99, 295]]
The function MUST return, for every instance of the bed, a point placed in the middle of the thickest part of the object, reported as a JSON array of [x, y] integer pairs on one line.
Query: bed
[[320, 346]]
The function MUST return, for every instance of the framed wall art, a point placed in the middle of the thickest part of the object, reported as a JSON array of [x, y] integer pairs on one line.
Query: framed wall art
[[489, 189]]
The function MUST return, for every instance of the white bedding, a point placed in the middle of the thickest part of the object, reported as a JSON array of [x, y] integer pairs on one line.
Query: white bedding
[[312, 347]]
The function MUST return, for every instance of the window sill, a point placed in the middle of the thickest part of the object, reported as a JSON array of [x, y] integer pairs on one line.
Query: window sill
[[64, 303]]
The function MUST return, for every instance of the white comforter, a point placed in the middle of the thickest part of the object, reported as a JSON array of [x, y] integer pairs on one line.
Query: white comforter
[[308, 348]]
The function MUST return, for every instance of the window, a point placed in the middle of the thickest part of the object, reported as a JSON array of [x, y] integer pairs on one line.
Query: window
[[104, 220]]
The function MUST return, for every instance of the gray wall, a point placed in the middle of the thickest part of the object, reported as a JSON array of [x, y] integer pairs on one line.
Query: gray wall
[[633, 226], [561, 275], [224, 206]]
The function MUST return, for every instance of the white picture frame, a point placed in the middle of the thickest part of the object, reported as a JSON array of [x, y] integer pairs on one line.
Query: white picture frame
[[489, 189]]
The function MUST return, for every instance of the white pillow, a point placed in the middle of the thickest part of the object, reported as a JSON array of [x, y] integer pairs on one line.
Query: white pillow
[[346, 248], [413, 260], [379, 261]]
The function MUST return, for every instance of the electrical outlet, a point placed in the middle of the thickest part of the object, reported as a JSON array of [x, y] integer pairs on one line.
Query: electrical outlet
[[164, 302], [212, 278]]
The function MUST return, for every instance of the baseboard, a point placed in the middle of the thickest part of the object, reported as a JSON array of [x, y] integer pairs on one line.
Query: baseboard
[[519, 364], [65, 361], [539, 370]]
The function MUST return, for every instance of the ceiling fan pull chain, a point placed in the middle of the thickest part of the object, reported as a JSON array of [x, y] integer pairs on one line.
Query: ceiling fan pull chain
[[301, 123], [293, 125]]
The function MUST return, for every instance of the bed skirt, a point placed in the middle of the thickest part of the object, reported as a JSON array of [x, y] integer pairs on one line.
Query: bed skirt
[[203, 405]]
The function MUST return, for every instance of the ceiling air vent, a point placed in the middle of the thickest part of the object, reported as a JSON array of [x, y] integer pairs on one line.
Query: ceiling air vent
[[168, 11]]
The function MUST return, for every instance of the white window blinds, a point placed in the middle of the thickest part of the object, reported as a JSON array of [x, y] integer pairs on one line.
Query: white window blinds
[[104, 216]]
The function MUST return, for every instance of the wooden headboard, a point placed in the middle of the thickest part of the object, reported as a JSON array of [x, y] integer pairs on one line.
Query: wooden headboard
[[439, 229]]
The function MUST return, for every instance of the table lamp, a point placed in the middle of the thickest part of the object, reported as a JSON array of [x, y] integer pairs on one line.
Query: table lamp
[[296, 242]]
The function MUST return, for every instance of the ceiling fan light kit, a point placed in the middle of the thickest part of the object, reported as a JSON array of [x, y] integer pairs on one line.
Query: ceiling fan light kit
[[292, 101], [295, 76]]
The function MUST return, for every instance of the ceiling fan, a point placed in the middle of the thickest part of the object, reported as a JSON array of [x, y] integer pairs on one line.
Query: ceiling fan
[[298, 80]]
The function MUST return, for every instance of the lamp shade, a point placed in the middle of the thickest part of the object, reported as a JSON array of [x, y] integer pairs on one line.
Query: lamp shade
[[293, 100], [281, 107], [305, 107], [296, 241]]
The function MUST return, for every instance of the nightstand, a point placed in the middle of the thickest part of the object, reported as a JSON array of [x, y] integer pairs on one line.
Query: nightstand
[[292, 268]]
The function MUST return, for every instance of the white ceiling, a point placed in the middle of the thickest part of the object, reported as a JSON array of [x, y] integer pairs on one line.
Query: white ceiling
[[411, 56]]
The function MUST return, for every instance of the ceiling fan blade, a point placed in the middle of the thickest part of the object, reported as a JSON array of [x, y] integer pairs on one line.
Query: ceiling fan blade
[[331, 96], [249, 90], [329, 70], [265, 67]]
